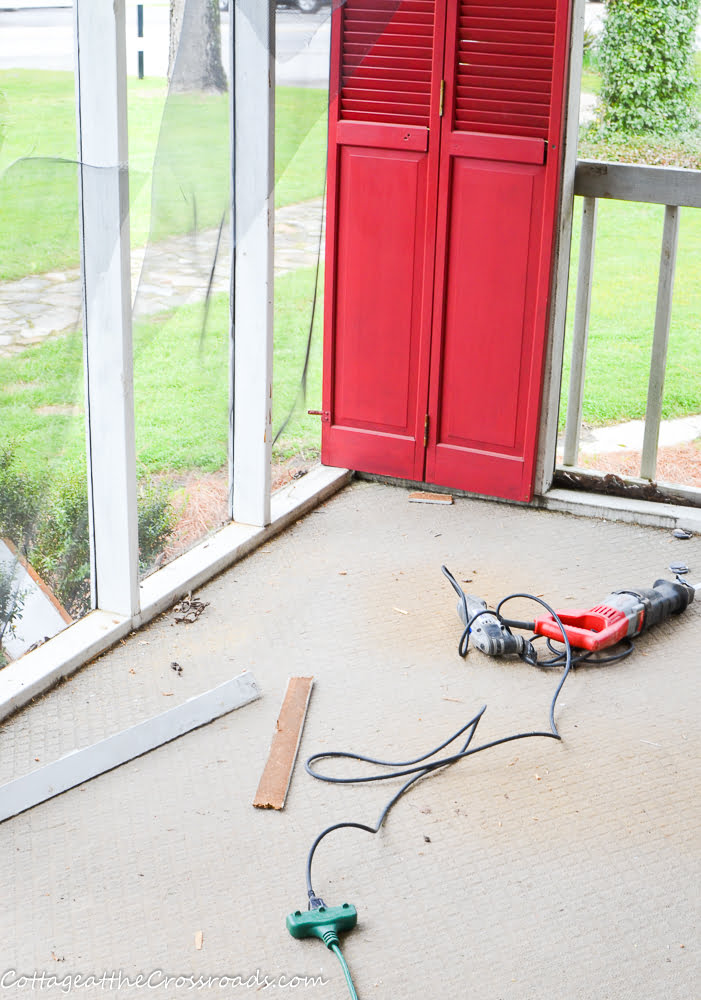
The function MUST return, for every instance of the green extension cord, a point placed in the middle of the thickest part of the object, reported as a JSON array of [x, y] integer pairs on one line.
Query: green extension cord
[[346, 971], [324, 923]]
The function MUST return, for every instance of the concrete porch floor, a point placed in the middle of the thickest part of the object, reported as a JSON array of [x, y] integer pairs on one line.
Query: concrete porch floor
[[535, 870]]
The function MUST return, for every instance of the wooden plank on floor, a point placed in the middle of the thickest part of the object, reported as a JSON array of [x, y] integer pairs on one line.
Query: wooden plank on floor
[[277, 774], [81, 765], [422, 497]]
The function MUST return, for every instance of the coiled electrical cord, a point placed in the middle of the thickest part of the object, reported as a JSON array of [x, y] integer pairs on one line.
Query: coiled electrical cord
[[419, 767], [593, 658], [561, 656], [428, 763]]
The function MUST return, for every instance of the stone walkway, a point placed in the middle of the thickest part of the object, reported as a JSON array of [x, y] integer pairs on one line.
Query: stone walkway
[[171, 273]]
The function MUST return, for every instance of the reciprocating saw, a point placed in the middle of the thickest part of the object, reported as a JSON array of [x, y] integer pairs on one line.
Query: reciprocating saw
[[622, 615]]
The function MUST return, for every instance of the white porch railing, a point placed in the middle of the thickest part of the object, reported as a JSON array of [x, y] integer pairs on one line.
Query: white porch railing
[[673, 188]]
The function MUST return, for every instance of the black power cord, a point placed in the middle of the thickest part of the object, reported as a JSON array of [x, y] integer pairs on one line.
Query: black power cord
[[419, 767], [325, 922]]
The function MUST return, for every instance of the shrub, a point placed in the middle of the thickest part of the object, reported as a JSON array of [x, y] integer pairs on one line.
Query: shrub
[[646, 64], [19, 500], [61, 550], [11, 604], [50, 525], [156, 522]]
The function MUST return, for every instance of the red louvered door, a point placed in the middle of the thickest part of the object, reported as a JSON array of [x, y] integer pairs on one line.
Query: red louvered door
[[386, 63], [500, 164], [443, 178]]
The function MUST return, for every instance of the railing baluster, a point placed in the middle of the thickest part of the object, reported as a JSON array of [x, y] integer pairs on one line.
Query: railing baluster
[[581, 331], [663, 316]]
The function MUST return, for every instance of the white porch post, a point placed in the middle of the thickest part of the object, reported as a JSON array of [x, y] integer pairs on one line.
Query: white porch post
[[104, 231], [552, 375], [253, 150]]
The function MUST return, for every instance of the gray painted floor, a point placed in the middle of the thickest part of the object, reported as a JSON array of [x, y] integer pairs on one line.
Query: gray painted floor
[[539, 869]]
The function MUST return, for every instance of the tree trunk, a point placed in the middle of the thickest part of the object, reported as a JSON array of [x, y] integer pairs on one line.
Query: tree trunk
[[195, 59]]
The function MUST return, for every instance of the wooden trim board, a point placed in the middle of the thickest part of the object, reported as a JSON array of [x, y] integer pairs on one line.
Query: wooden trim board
[[422, 497], [277, 774], [81, 765]]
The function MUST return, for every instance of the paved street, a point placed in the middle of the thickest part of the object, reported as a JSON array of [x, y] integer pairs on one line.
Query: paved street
[[41, 37]]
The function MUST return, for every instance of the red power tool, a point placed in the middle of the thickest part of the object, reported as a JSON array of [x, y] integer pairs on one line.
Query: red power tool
[[623, 614]]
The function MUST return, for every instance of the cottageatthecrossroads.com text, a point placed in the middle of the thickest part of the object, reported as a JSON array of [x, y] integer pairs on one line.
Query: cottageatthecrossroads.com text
[[156, 980]]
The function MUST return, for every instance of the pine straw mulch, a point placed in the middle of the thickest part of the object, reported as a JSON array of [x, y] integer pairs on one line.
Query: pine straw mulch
[[201, 502], [679, 464]]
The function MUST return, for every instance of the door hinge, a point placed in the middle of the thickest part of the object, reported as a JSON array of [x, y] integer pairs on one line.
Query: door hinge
[[442, 99], [426, 431], [324, 414]]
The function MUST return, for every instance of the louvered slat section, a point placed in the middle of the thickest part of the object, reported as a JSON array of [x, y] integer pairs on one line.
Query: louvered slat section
[[386, 61], [504, 67]]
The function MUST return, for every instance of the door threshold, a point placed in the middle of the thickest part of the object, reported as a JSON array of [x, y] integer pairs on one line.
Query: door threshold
[[611, 508], [578, 502], [415, 484]]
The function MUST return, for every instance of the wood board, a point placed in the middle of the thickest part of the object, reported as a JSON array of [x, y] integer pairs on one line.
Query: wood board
[[277, 774]]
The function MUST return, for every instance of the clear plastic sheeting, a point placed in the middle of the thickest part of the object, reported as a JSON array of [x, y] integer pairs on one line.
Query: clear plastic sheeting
[[181, 289], [178, 91], [181, 267], [44, 537], [301, 109]]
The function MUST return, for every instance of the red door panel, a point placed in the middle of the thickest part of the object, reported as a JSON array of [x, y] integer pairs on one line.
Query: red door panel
[[481, 399], [380, 234], [485, 320], [496, 212], [379, 258]]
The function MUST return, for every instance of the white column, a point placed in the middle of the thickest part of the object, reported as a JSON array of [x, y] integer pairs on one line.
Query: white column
[[104, 231], [253, 145], [552, 376]]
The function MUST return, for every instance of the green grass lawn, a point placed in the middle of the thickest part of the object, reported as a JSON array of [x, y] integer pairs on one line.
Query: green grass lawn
[[181, 394], [181, 388], [624, 289], [180, 381], [624, 293], [178, 150]]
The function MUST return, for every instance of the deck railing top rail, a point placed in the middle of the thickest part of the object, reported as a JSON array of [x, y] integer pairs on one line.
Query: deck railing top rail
[[635, 182]]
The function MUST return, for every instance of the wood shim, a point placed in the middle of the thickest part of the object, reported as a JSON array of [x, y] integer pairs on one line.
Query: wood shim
[[420, 497], [81, 765], [277, 774]]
